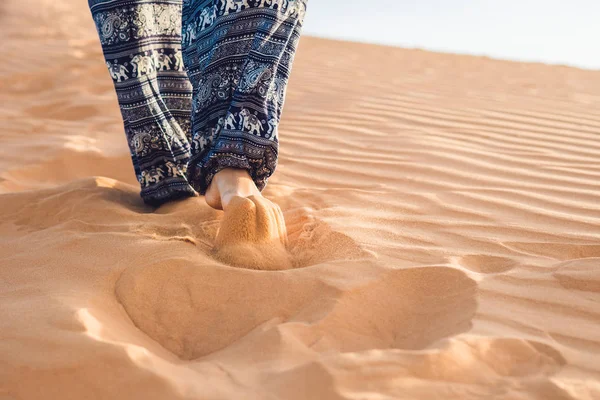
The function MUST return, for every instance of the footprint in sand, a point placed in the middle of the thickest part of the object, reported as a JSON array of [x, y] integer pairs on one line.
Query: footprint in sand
[[180, 304], [315, 242], [490, 360]]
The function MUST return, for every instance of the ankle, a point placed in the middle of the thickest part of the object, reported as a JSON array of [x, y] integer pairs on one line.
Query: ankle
[[229, 174], [229, 183]]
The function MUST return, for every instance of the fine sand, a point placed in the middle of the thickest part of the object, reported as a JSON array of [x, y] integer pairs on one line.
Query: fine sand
[[443, 215]]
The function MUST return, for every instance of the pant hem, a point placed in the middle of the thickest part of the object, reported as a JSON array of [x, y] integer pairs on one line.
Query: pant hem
[[168, 190], [260, 169]]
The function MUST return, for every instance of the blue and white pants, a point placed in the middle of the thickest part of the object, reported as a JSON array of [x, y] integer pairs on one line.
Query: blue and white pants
[[200, 84]]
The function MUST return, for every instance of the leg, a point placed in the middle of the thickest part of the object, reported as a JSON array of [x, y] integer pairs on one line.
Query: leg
[[141, 41], [238, 55]]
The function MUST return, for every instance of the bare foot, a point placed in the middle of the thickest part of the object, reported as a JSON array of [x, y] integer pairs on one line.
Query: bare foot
[[252, 233], [227, 184]]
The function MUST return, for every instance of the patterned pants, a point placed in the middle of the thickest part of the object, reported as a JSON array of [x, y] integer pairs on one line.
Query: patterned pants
[[200, 84]]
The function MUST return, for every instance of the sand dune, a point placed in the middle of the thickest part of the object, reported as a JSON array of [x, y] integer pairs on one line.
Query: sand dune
[[443, 220]]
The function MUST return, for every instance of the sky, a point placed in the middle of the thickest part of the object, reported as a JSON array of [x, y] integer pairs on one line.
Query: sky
[[551, 31]]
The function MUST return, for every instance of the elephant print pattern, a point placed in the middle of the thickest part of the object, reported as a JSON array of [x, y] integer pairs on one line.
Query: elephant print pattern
[[200, 84], [238, 57]]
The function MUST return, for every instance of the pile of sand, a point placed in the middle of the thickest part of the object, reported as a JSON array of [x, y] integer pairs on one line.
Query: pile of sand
[[442, 211]]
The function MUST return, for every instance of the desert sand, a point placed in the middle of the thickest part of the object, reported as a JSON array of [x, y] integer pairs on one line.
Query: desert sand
[[444, 234]]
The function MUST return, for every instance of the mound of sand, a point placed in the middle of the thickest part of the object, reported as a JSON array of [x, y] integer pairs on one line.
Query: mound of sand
[[443, 230]]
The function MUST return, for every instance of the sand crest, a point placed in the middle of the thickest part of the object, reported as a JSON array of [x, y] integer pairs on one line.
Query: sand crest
[[442, 224]]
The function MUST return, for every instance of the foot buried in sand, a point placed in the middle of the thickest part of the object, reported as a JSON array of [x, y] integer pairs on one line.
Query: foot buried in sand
[[252, 233]]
